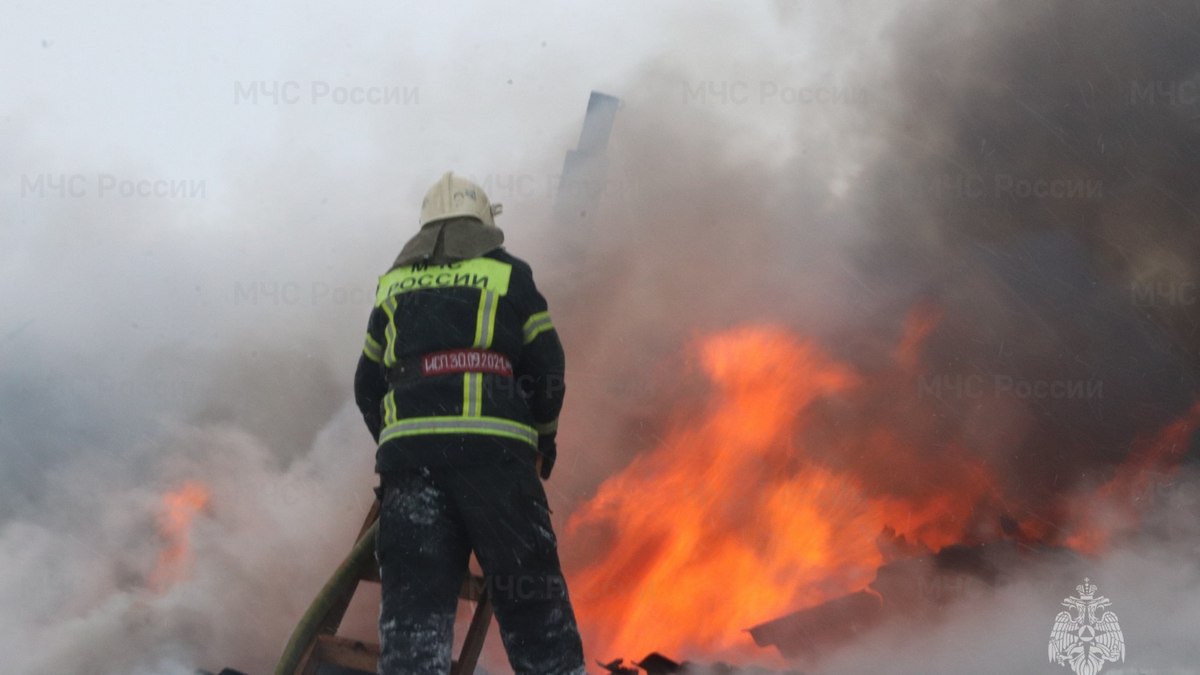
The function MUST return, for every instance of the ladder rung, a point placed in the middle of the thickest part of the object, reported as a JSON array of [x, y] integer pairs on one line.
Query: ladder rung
[[340, 651]]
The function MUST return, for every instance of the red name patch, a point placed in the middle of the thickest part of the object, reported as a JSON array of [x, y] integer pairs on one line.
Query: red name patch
[[466, 361]]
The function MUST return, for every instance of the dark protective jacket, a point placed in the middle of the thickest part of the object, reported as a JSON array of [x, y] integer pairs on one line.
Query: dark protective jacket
[[425, 403]]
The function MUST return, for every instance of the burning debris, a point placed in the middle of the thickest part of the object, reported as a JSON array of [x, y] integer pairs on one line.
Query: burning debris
[[741, 516], [912, 589], [657, 664], [740, 508], [916, 587]]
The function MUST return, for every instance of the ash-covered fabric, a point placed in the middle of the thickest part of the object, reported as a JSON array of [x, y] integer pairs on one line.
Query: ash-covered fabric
[[431, 518], [452, 239], [490, 302]]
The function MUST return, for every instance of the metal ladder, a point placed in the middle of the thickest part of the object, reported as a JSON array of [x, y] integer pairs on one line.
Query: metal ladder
[[315, 648]]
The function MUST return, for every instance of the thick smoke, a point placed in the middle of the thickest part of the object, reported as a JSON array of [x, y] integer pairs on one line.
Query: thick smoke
[[996, 163], [1021, 172], [1037, 185], [1025, 168]]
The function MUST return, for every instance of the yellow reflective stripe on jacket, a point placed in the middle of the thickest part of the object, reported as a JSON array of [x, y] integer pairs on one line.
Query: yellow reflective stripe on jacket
[[389, 354], [482, 273], [485, 330], [472, 394], [389, 408], [547, 428], [536, 325], [486, 426], [372, 349], [485, 319]]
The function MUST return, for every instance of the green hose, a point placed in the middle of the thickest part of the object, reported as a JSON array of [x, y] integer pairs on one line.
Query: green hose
[[339, 584]]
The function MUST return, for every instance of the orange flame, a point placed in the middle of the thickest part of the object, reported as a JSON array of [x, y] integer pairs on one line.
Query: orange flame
[[740, 514], [179, 509], [726, 523]]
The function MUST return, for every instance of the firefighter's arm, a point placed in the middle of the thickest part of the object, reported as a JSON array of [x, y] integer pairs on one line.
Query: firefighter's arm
[[542, 376], [370, 384]]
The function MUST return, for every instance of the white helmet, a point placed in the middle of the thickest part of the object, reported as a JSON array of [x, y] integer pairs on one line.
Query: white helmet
[[454, 197], [456, 224]]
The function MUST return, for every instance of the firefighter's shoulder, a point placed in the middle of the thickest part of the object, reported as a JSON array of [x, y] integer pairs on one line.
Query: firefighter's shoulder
[[502, 254], [520, 266]]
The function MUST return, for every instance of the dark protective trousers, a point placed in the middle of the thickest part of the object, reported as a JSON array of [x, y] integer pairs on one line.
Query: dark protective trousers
[[429, 522]]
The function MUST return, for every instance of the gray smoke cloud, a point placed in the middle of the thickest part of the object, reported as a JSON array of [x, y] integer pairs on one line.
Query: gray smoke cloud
[[1003, 165], [1026, 168]]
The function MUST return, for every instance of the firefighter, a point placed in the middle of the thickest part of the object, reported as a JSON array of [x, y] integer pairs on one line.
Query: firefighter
[[461, 383]]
